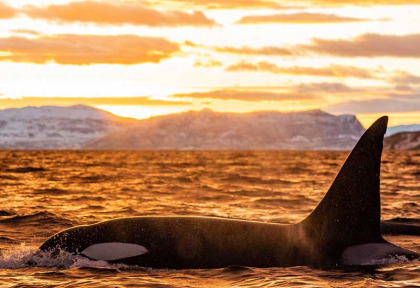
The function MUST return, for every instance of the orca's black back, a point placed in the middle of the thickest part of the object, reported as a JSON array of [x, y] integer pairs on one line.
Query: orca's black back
[[350, 212]]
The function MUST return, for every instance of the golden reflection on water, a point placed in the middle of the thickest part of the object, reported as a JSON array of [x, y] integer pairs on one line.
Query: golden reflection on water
[[43, 192]]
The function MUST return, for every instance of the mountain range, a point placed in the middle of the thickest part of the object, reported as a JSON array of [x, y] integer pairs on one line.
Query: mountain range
[[88, 128], [52, 127], [208, 130], [402, 128], [403, 141]]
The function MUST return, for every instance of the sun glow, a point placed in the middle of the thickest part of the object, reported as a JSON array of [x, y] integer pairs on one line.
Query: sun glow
[[341, 52], [394, 118], [140, 112]]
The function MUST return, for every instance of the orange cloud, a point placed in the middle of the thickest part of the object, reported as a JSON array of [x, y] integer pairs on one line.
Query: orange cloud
[[267, 51], [330, 71], [224, 4], [298, 18], [118, 14], [327, 87], [392, 103], [67, 101], [280, 4], [299, 92], [7, 12], [87, 49], [252, 96], [359, 2], [209, 64], [404, 78], [369, 45], [25, 31]]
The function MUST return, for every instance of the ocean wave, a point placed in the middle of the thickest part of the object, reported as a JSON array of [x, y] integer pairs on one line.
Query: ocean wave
[[7, 240], [93, 178], [26, 169], [9, 177], [6, 213], [297, 170], [391, 260], [401, 226], [233, 177], [36, 218], [52, 191], [23, 256], [284, 201], [404, 220]]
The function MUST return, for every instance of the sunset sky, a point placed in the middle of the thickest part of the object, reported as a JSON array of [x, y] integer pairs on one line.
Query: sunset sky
[[144, 58]]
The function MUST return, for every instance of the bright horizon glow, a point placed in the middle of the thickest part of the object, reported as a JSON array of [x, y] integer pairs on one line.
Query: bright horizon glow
[[138, 112], [347, 63]]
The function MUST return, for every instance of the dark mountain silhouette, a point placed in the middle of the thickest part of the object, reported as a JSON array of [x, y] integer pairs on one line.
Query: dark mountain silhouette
[[403, 141]]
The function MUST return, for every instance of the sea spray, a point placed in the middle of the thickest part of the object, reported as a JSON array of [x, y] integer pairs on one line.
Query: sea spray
[[25, 256]]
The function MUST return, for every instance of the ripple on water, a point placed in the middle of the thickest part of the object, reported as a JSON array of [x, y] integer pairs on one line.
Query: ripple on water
[[36, 219], [27, 169], [38, 188]]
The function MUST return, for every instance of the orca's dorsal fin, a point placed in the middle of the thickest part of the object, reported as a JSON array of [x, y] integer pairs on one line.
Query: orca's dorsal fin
[[350, 212]]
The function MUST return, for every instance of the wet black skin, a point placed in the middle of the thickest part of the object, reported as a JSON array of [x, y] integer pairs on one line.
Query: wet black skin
[[193, 242]]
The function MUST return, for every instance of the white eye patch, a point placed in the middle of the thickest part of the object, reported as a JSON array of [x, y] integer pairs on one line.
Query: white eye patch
[[113, 251]]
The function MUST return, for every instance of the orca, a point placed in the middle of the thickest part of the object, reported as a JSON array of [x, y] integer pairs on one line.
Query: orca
[[343, 230]]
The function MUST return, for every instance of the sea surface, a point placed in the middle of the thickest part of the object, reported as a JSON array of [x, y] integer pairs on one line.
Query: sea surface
[[43, 192]]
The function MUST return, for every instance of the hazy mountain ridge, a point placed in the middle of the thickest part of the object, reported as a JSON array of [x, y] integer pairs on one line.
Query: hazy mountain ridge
[[52, 127], [403, 141], [402, 128], [208, 130], [84, 127]]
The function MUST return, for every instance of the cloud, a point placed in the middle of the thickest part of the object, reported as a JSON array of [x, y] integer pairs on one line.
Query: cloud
[[299, 92], [7, 12], [208, 64], [67, 101], [87, 49], [330, 96], [298, 18], [404, 78], [266, 51], [369, 45], [392, 103], [325, 87], [358, 2], [189, 43], [280, 4], [228, 4], [117, 14], [25, 31], [330, 71], [253, 96]]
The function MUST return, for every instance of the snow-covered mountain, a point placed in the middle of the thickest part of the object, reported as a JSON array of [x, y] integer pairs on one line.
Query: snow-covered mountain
[[84, 127], [52, 127], [208, 130], [402, 128]]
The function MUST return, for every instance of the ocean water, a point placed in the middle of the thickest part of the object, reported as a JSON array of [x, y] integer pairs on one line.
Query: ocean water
[[43, 192]]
